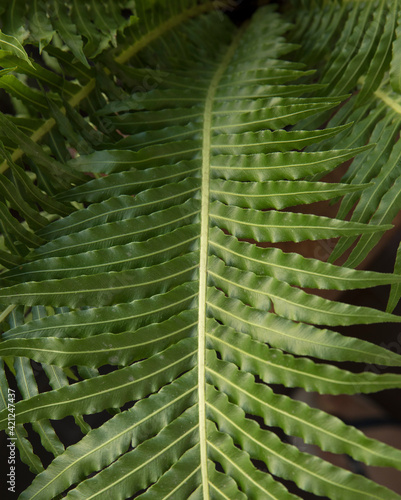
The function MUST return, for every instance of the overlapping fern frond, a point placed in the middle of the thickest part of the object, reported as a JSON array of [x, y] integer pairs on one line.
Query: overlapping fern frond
[[366, 64], [144, 288]]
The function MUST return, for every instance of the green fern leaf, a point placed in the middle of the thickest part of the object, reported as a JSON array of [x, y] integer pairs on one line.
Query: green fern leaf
[[150, 289]]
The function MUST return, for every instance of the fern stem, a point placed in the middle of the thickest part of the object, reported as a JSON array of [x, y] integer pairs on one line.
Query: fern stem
[[168, 25], [389, 101], [6, 312], [204, 237], [121, 59]]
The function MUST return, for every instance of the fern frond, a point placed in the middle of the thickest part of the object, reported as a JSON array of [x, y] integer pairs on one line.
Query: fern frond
[[364, 56], [156, 290]]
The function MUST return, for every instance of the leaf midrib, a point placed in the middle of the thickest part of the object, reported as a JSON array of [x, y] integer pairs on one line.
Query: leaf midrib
[[204, 247]]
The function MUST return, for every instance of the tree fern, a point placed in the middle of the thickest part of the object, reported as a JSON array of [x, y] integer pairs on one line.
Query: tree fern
[[138, 197]]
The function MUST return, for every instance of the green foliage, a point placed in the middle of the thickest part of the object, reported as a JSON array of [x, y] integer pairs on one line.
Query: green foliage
[[154, 151]]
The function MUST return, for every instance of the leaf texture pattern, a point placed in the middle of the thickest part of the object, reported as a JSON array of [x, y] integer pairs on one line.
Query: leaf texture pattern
[[150, 289]]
